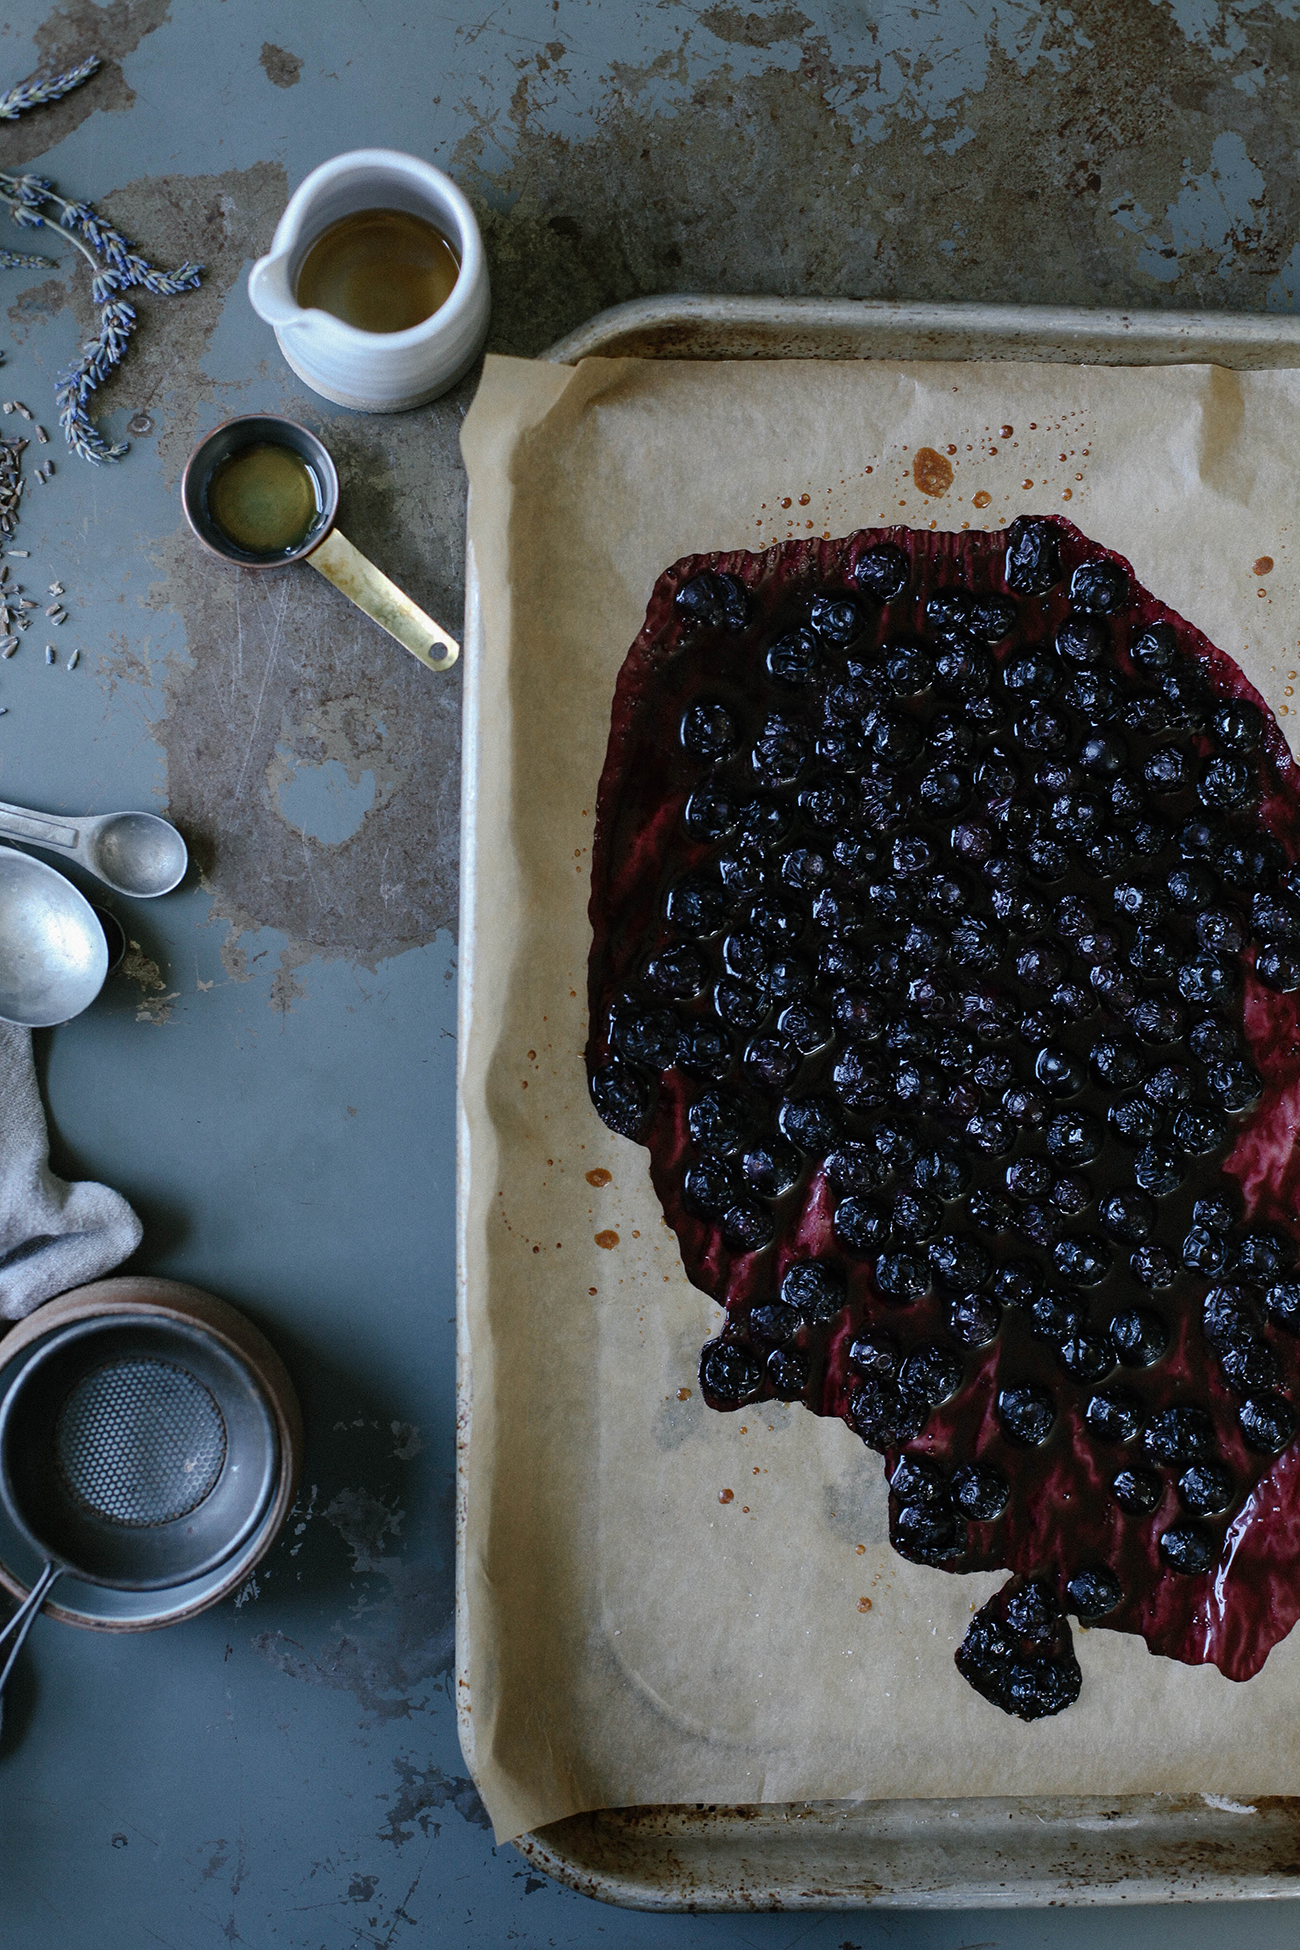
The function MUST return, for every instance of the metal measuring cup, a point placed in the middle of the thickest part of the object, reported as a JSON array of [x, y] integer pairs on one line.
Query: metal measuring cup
[[324, 547]]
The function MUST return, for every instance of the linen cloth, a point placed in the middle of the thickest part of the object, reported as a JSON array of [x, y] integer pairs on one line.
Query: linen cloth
[[53, 1235]]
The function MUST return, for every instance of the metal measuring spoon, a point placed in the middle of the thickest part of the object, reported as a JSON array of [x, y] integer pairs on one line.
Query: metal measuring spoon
[[53, 951], [132, 852]]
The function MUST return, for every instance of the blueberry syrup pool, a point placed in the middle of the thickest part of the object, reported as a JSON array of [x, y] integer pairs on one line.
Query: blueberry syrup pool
[[946, 950]]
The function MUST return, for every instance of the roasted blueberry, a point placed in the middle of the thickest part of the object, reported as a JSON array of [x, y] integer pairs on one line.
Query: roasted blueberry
[[794, 659], [931, 1373], [1135, 1120], [959, 1261], [1159, 1169], [1094, 1592], [679, 972], [1140, 1336], [1116, 1065], [709, 732], [883, 1417], [1033, 564], [920, 1480], [1138, 1490], [623, 1099], [747, 1226], [1113, 1415], [1099, 586], [974, 1319], [1087, 1357], [1081, 640], [771, 1168], [1278, 968], [980, 1491], [882, 571], [1267, 1423], [1191, 887], [1153, 1266], [1226, 783], [1206, 1488], [1074, 1137], [771, 1062], [926, 1536], [1156, 648], [875, 1354], [816, 1290], [706, 1051], [787, 1374], [902, 1276], [1026, 1414], [1282, 1303], [809, 1122], [729, 1373], [714, 601], [1179, 1435], [1189, 1548], [837, 618], [646, 1034], [1083, 1259]]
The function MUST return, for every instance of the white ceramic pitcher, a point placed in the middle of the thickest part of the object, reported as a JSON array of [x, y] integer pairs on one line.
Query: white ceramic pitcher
[[375, 372]]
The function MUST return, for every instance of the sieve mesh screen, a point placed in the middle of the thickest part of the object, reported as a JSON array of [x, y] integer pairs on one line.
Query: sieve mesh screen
[[140, 1442]]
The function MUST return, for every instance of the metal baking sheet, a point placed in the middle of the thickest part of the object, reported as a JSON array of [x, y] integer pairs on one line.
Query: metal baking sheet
[[933, 1854]]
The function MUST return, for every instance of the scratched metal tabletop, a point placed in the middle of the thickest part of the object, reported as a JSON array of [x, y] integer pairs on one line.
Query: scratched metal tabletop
[[270, 1077]]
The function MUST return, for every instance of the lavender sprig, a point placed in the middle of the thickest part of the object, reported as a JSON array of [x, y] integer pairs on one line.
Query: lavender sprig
[[116, 264], [33, 94], [76, 383], [17, 260]]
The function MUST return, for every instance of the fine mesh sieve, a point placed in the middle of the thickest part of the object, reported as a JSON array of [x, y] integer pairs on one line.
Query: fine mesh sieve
[[136, 1453], [147, 1400], [140, 1443]]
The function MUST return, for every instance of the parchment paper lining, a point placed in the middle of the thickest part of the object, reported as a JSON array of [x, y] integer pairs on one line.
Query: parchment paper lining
[[625, 1636]]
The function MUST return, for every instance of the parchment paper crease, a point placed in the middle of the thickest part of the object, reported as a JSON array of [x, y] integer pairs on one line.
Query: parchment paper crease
[[624, 1635]]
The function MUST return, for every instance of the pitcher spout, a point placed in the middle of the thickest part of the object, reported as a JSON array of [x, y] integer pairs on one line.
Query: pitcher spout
[[270, 292]]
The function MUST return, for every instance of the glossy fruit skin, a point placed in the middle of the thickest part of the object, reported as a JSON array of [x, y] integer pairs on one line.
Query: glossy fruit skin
[[963, 886]]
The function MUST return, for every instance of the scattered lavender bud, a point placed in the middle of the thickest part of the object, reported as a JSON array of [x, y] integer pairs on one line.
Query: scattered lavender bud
[[74, 660], [23, 552], [43, 436], [49, 653]]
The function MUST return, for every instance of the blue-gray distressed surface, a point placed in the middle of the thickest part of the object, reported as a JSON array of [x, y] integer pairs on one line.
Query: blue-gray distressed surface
[[270, 1078]]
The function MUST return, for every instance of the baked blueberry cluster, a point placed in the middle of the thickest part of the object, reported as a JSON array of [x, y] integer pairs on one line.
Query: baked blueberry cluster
[[946, 956]]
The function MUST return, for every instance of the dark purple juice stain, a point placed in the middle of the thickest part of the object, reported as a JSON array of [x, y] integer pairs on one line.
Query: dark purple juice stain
[[946, 949]]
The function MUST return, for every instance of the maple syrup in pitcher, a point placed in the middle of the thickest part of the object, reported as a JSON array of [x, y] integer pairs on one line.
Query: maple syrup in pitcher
[[379, 270]]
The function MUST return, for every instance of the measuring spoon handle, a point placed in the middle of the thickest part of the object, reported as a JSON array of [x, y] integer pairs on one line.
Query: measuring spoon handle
[[365, 585], [38, 829]]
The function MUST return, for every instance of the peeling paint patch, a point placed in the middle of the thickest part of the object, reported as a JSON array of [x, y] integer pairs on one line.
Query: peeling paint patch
[[280, 67], [425, 1792], [68, 34], [402, 1641], [154, 1001]]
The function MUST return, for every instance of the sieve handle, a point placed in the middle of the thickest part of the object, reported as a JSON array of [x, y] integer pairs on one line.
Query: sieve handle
[[24, 1618]]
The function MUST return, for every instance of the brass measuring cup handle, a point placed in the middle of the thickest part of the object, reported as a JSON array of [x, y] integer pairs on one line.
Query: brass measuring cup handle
[[329, 552], [371, 590]]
